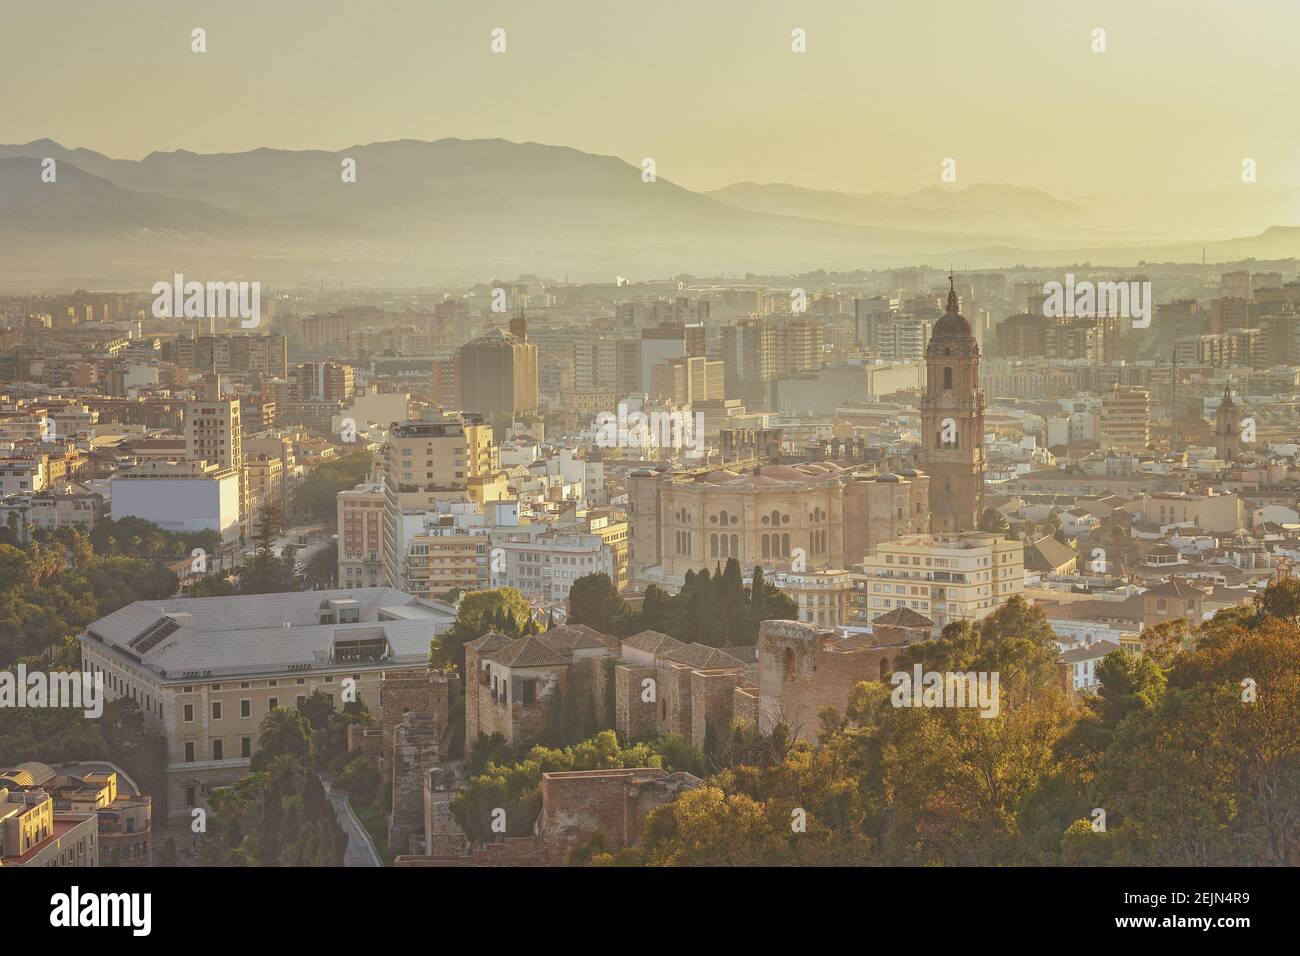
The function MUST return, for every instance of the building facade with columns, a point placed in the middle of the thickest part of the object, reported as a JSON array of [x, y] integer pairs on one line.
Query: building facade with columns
[[805, 517]]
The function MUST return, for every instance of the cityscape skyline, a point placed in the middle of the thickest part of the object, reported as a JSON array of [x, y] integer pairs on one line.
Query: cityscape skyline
[[445, 435]]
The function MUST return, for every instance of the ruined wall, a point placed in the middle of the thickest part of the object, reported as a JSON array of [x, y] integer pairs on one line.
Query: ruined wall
[[577, 805], [425, 693], [416, 750], [712, 703], [801, 671], [744, 705], [635, 719], [443, 836], [515, 851]]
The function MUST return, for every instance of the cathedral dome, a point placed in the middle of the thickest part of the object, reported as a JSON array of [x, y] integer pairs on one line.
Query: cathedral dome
[[953, 325]]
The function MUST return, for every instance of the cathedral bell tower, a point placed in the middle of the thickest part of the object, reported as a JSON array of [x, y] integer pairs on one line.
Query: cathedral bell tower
[[1227, 428], [952, 422]]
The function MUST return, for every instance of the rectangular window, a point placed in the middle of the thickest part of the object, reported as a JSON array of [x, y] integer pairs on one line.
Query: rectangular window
[[245, 708], [245, 746], [189, 713], [218, 750], [216, 710], [189, 751], [272, 703]]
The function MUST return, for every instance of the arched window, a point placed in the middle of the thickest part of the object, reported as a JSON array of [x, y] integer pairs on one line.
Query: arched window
[[735, 546], [947, 379], [767, 547], [713, 545], [785, 545]]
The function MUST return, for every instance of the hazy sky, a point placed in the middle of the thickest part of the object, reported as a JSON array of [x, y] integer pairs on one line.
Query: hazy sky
[[709, 88]]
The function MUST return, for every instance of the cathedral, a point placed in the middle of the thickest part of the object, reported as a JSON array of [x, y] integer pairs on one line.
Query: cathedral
[[952, 423]]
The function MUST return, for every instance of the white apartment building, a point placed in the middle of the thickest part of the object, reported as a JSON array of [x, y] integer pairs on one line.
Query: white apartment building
[[824, 597], [944, 577], [546, 565]]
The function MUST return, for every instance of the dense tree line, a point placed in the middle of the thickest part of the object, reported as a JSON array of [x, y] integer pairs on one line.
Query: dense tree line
[[501, 779], [55, 735], [1189, 755], [715, 608], [54, 586], [279, 814], [316, 498]]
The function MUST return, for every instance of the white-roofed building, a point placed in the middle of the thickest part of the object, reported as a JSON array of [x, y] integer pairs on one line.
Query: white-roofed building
[[207, 671]]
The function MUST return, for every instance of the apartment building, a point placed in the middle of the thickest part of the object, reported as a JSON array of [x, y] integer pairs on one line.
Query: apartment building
[[427, 462], [545, 565], [1125, 419], [825, 598], [33, 833], [361, 535], [950, 577]]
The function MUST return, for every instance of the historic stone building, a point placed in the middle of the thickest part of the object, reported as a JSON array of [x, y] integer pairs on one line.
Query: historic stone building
[[510, 683], [803, 670], [648, 685], [805, 517], [952, 423], [577, 806], [1228, 427]]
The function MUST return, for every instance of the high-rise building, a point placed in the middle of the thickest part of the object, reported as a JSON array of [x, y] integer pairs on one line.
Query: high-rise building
[[323, 381], [952, 423], [689, 379], [1229, 312], [361, 536], [1125, 419], [799, 345], [748, 351], [902, 338], [452, 458], [213, 433]]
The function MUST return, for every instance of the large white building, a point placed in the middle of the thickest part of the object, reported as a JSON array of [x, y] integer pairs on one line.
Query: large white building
[[179, 496], [207, 671]]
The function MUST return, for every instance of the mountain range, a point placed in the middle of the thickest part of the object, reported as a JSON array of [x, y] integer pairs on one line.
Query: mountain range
[[458, 210]]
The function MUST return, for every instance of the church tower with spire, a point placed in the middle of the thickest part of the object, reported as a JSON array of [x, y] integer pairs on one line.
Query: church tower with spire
[[952, 422], [1227, 428]]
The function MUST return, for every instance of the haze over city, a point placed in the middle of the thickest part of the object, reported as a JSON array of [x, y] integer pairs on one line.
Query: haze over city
[[585, 436]]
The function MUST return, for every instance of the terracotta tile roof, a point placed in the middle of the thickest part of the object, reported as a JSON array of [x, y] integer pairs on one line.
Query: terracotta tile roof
[[903, 617], [489, 642], [576, 637], [1175, 587], [652, 642], [700, 656], [531, 651]]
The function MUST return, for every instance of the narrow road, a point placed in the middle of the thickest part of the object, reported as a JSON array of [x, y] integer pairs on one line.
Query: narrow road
[[360, 851]]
